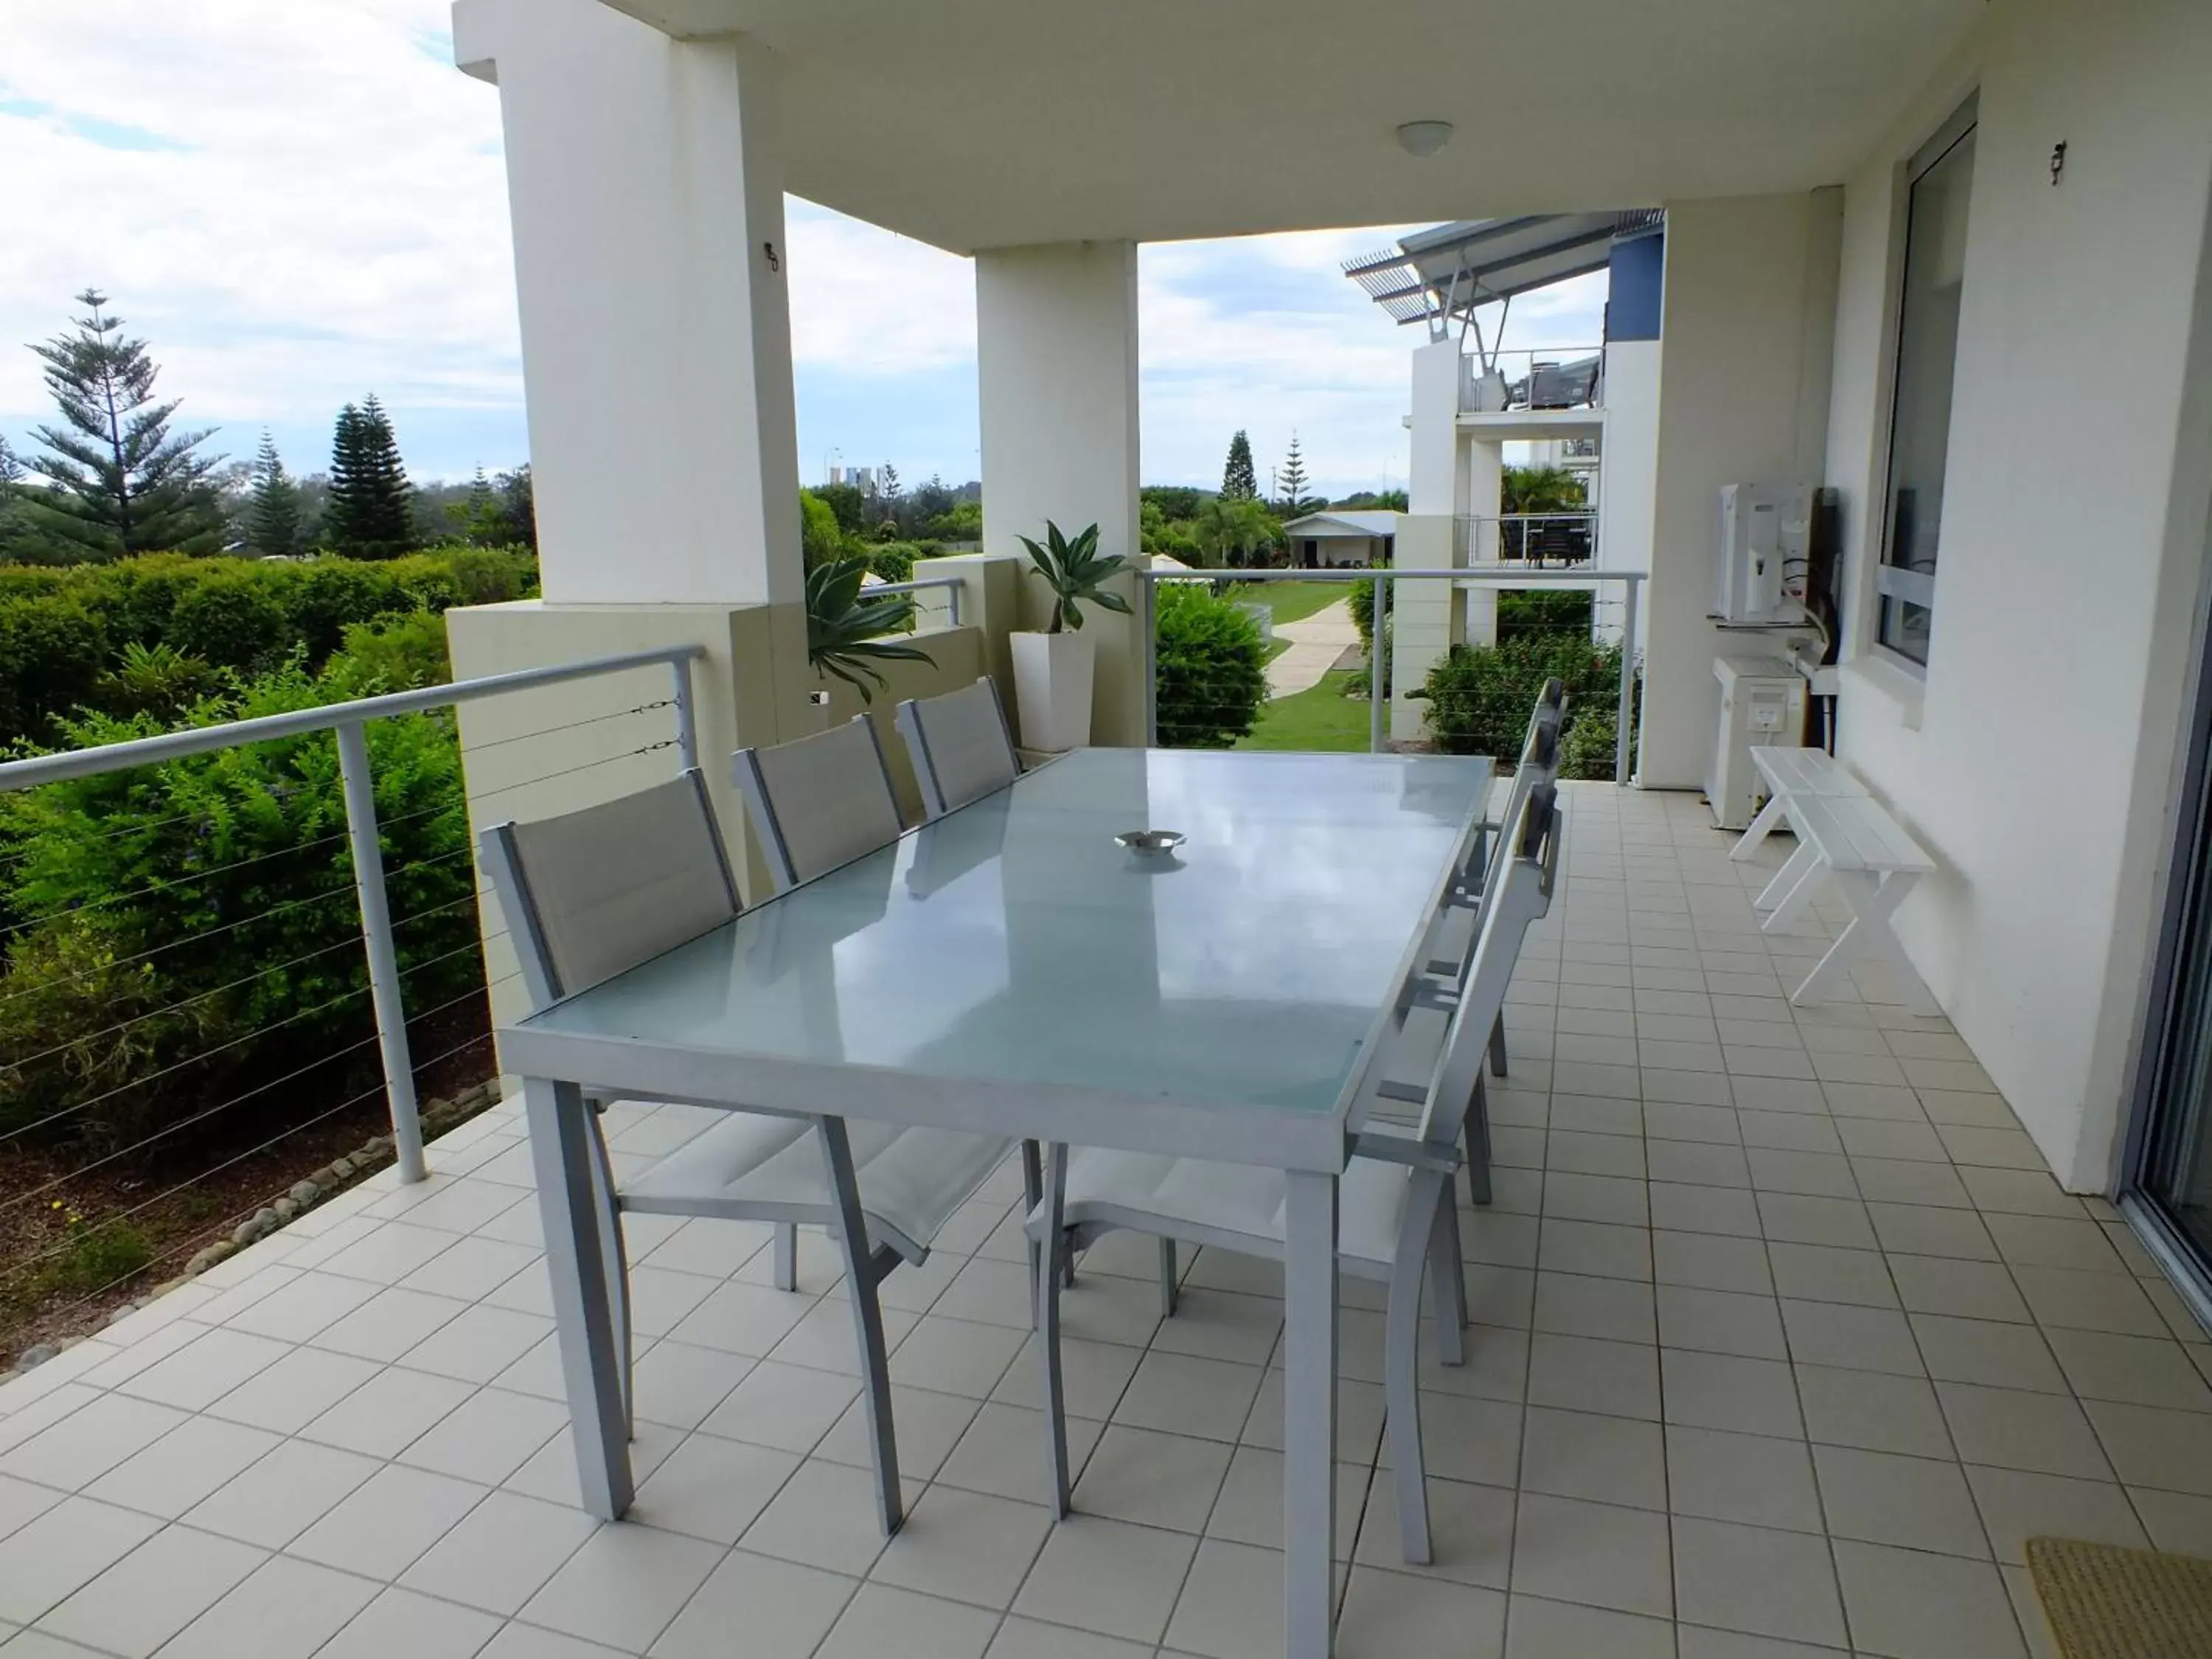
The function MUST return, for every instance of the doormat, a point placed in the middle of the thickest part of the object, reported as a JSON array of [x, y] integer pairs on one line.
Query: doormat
[[2105, 1602]]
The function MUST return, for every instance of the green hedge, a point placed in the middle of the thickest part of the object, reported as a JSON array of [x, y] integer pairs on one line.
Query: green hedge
[[1480, 696], [65, 631], [177, 935], [1211, 676]]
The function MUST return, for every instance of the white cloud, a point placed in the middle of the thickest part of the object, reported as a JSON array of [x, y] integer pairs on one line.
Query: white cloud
[[301, 201]]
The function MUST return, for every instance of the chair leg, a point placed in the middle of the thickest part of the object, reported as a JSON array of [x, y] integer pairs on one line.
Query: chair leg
[[1498, 1046], [1047, 1327], [1401, 1331], [867, 1318], [1067, 1264], [1032, 1195], [1475, 1131], [786, 1255], [1448, 1283], [615, 1253], [1167, 1278]]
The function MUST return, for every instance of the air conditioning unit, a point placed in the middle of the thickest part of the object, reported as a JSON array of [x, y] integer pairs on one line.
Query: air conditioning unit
[[1762, 704], [1766, 540]]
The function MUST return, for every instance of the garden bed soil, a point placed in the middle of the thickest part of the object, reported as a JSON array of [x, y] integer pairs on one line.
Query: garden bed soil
[[209, 1208]]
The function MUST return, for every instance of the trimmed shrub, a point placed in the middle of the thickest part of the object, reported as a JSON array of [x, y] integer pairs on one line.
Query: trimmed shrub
[[892, 561], [52, 649], [1546, 611], [1480, 696], [1586, 751], [1211, 670], [63, 631]]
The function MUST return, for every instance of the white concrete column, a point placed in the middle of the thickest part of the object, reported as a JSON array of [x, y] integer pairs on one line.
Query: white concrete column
[[646, 189], [1056, 356], [1429, 618], [1627, 463]]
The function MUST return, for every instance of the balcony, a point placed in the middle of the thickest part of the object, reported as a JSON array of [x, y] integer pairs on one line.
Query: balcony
[[1783, 1331], [1534, 382]]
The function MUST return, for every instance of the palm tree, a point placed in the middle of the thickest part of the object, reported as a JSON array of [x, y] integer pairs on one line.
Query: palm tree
[[1227, 525]]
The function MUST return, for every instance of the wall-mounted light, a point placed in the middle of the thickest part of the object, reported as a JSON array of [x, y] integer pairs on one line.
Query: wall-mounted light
[[1424, 138]]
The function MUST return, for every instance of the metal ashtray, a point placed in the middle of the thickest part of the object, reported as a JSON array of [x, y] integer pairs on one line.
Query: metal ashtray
[[1151, 842]]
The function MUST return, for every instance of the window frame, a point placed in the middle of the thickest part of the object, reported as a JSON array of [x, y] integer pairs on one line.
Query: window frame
[[1897, 584]]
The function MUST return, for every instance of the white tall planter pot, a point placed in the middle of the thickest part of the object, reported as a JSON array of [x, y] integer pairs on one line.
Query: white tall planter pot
[[1052, 689]]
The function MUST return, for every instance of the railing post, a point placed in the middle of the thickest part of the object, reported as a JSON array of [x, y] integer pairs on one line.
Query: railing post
[[952, 601], [687, 729], [383, 960], [1378, 688], [1624, 715], [1147, 616]]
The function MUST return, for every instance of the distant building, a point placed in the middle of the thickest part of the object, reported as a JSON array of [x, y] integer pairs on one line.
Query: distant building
[[1332, 541]]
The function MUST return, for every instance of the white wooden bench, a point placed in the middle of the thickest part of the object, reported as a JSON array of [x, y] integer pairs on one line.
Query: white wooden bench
[[1791, 773], [1875, 865]]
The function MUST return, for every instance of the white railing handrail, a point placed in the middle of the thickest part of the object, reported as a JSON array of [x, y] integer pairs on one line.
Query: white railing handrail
[[347, 720], [228, 734]]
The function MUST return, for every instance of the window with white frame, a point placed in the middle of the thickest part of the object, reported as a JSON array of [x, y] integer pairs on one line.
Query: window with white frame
[[1941, 180]]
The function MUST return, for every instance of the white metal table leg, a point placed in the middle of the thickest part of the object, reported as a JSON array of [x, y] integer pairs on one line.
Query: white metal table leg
[[1791, 872], [1769, 816], [1874, 900], [560, 1153], [1308, 1414]]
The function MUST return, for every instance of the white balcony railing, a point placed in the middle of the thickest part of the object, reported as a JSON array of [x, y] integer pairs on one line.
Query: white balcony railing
[[1542, 541]]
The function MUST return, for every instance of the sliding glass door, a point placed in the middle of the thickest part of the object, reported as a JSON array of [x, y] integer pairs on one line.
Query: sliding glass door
[[2169, 1190]]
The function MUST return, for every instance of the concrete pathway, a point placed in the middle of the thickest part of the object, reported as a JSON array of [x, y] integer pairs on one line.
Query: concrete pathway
[[1317, 642]]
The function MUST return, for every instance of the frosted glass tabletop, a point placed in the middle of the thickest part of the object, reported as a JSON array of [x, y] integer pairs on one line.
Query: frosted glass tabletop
[[1013, 942]]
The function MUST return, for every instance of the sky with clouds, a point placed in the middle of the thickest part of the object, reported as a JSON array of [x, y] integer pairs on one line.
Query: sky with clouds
[[299, 201]]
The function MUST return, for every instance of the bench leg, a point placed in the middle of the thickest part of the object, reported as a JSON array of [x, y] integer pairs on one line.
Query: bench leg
[[1874, 900], [1798, 900], [1791, 872], [1769, 819]]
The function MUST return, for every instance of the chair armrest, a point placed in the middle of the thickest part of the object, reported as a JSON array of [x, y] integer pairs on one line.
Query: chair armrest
[[1397, 1148]]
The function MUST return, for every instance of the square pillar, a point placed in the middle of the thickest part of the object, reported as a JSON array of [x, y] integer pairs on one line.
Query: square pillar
[[1429, 618], [646, 188], [1056, 359]]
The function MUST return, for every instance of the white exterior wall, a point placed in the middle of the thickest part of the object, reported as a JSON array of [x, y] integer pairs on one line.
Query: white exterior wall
[[2038, 759], [1750, 302], [1056, 357], [645, 190]]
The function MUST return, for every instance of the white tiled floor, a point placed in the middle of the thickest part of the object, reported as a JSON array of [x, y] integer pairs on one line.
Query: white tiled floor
[[1786, 1343]]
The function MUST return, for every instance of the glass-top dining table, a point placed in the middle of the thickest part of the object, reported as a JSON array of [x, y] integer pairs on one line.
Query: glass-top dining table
[[1011, 968]]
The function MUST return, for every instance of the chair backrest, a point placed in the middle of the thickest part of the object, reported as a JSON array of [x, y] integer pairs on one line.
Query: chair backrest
[[819, 801], [593, 892], [1520, 893], [960, 744]]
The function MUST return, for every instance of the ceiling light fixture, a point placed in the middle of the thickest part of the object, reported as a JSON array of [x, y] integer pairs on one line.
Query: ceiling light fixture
[[1424, 138]]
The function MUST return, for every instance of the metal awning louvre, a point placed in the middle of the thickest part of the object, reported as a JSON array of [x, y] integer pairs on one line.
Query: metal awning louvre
[[1449, 271]]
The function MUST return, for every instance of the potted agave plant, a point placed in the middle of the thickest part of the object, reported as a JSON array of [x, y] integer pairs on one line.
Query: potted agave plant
[[1052, 669], [845, 629]]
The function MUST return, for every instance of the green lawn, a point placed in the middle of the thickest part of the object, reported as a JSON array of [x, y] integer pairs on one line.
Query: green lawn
[[1291, 600], [1321, 718]]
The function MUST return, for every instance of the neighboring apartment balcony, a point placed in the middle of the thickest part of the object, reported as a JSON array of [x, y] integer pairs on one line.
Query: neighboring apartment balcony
[[1534, 383], [1557, 541]]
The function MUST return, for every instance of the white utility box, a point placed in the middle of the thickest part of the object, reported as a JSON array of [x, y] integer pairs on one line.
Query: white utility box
[[1762, 704], [1766, 540]]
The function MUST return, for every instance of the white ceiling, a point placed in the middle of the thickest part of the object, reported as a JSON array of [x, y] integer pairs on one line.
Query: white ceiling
[[983, 123]]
